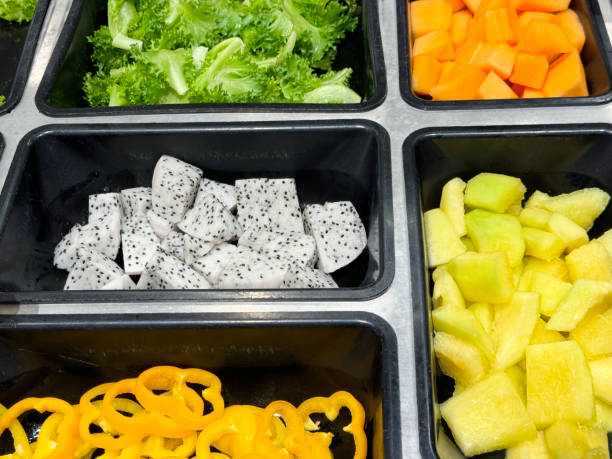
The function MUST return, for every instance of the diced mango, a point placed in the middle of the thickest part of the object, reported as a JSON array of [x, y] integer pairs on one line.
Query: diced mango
[[494, 192], [452, 205], [534, 217], [447, 71], [555, 267], [537, 199], [569, 232], [461, 85], [437, 44], [547, 6], [459, 26], [468, 50], [484, 314], [529, 93], [542, 244], [541, 335], [488, 416], [527, 16], [493, 87], [463, 324], [584, 295], [445, 289], [542, 37], [529, 71], [569, 21], [483, 277], [591, 261], [442, 242], [458, 359], [593, 334], [472, 5], [492, 232], [566, 77], [456, 5], [601, 372], [512, 328], [497, 57], [425, 73], [581, 206], [568, 440], [551, 290], [603, 416], [531, 449], [558, 383], [477, 29], [428, 16], [497, 26]]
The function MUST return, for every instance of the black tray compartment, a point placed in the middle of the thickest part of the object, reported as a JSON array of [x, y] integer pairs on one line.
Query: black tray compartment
[[595, 57], [553, 159], [17, 47], [60, 92], [57, 167], [282, 356]]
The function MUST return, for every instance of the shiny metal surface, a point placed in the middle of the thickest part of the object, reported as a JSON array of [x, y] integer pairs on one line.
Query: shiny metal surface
[[394, 114]]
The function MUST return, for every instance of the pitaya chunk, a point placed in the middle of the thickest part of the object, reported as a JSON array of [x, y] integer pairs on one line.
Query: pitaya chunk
[[124, 282], [136, 201], [160, 226], [64, 255], [91, 271], [252, 202], [211, 265], [104, 204], [338, 231], [174, 244], [173, 273], [292, 248], [139, 243], [308, 278], [249, 269], [210, 221], [195, 248], [222, 191], [175, 184], [148, 281]]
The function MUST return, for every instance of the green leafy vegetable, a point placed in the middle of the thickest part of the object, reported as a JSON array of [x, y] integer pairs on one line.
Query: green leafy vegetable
[[195, 51], [17, 10], [2, 99]]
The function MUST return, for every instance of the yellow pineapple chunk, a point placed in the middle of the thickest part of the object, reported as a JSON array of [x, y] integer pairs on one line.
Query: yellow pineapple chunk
[[517, 272], [512, 328], [534, 217], [515, 209], [494, 192], [459, 360], [572, 234], [445, 289], [555, 267], [591, 261], [581, 206], [537, 199], [483, 277], [464, 325], [568, 440], [593, 334], [484, 314], [541, 335], [584, 295], [558, 383], [519, 379], [491, 232], [601, 373], [451, 203], [442, 241], [603, 416], [542, 244], [551, 290], [530, 449], [606, 240], [469, 245], [488, 416]]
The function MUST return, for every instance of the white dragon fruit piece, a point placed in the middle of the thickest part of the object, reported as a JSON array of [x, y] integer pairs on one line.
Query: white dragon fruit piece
[[139, 243], [252, 202], [338, 232], [92, 271], [172, 273], [211, 265], [308, 278], [160, 226], [124, 282], [249, 269], [175, 184], [174, 244], [104, 204], [293, 248], [195, 248], [210, 221], [222, 191], [148, 281], [136, 201]]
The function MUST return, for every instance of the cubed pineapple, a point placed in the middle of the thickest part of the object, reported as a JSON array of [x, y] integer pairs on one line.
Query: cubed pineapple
[[537, 199], [568, 440], [603, 416], [584, 295], [491, 232], [530, 449], [572, 234], [591, 261], [534, 217], [519, 380], [459, 359], [464, 325], [494, 192], [488, 416], [551, 290], [469, 245], [452, 205], [593, 334], [484, 314], [541, 335], [601, 373], [558, 383], [606, 240], [445, 289], [515, 209], [581, 206], [483, 277], [555, 267], [512, 328], [442, 241], [542, 244]]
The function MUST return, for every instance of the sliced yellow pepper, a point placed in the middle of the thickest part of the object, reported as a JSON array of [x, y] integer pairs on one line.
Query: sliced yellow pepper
[[20, 439]]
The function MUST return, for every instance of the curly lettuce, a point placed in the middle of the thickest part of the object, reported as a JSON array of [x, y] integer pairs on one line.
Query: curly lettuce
[[17, 10]]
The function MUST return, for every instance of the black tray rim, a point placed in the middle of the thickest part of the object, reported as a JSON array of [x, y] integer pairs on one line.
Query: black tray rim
[[424, 361], [404, 62], [27, 56], [67, 34], [385, 216]]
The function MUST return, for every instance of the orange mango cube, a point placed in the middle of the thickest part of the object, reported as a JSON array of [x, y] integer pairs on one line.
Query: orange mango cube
[[456, 5], [425, 73], [493, 87], [543, 38], [497, 26], [529, 71], [566, 77], [529, 93], [429, 15], [461, 85], [437, 44], [498, 57], [525, 18], [546, 6], [459, 26], [572, 26]]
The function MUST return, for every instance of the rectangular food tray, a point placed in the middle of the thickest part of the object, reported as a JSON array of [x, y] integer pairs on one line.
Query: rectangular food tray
[[553, 159]]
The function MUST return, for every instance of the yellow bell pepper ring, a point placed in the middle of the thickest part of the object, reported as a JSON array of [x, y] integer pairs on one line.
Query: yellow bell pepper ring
[[20, 439], [156, 447], [294, 441]]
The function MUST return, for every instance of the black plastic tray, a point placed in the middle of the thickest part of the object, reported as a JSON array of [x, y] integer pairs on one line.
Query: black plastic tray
[[595, 57], [283, 356], [17, 47], [60, 92], [553, 159], [57, 167]]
